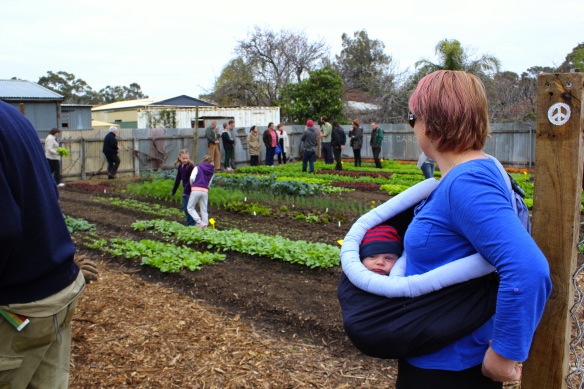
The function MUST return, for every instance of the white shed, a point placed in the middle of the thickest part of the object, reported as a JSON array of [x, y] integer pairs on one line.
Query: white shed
[[186, 116]]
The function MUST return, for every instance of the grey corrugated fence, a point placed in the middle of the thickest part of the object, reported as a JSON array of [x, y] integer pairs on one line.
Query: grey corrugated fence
[[146, 149]]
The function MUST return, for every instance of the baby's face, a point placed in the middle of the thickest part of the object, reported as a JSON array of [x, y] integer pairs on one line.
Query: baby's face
[[380, 263]]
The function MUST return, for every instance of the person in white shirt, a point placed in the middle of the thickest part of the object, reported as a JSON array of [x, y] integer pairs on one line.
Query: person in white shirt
[[53, 156]]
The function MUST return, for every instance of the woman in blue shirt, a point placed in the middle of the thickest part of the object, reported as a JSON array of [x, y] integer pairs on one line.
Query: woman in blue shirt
[[465, 214]]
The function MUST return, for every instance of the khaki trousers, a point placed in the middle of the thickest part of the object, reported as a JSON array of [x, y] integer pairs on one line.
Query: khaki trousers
[[216, 155], [38, 356]]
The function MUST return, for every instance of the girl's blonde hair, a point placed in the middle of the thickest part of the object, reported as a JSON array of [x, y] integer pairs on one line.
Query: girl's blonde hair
[[180, 154], [207, 158]]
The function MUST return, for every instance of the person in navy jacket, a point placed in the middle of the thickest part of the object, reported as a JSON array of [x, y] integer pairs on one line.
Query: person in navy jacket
[[110, 150], [39, 279]]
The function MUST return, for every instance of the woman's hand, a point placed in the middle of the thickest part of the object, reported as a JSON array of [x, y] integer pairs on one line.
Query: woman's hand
[[499, 368]]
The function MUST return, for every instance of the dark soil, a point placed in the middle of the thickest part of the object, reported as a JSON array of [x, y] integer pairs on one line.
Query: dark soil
[[288, 299]]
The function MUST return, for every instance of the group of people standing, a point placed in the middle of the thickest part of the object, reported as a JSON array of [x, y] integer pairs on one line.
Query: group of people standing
[[333, 140], [356, 142], [275, 141], [226, 137], [330, 137]]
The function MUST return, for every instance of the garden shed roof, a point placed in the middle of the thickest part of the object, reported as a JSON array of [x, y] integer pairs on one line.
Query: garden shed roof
[[26, 90], [182, 100]]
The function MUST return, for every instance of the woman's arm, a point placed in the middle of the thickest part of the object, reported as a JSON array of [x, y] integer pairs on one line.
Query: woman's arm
[[481, 209]]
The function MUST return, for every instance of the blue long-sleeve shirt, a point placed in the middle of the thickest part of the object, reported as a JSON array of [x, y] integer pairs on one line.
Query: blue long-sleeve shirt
[[470, 212]]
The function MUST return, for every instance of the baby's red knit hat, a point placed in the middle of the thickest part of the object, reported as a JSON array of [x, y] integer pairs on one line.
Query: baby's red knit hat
[[381, 239]]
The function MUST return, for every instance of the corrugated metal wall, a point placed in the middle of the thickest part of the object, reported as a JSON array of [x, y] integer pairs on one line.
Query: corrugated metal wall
[[78, 118], [143, 149], [42, 115]]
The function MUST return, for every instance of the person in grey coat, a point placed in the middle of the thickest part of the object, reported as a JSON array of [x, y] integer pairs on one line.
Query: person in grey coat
[[309, 139], [356, 135]]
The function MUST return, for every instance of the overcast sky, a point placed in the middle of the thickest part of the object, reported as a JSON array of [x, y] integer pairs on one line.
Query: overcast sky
[[176, 47]]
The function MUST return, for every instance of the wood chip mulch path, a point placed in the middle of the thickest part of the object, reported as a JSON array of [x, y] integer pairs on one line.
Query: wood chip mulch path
[[131, 333]]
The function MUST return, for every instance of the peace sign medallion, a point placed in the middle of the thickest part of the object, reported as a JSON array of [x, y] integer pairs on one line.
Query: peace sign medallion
[[559, 114]]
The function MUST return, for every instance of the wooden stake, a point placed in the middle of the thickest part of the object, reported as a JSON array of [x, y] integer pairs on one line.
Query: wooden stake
[[559, 158], [196, 137]]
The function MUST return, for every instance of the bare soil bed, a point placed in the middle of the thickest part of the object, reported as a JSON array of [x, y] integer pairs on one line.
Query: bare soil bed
[[247, 322]]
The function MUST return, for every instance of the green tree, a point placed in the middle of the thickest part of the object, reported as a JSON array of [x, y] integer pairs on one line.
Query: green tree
[[111, 94], [320, 94], [77, 91], [73, 89], [362, 62], [452, 56], [134, 91], [574, 60]]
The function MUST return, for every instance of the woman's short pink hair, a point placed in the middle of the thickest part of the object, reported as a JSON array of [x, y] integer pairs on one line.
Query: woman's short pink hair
[[453, 105]]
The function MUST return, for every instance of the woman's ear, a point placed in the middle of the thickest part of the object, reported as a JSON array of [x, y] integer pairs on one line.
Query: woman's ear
[[428, 129]]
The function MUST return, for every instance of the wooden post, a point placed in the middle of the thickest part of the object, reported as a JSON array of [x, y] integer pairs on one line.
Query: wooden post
[[559, 152], [196, 137]]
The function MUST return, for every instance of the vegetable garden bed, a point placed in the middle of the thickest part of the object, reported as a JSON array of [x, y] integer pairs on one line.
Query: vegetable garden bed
[[246, 316]]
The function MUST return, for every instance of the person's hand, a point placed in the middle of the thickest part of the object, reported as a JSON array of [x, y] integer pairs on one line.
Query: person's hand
[[499, 368], [88, 268]]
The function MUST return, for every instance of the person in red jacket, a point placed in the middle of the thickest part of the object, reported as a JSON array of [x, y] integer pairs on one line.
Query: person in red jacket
[[270, 138]]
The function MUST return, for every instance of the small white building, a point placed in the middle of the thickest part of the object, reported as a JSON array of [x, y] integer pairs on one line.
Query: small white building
[[181, 112], [186, 117]]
